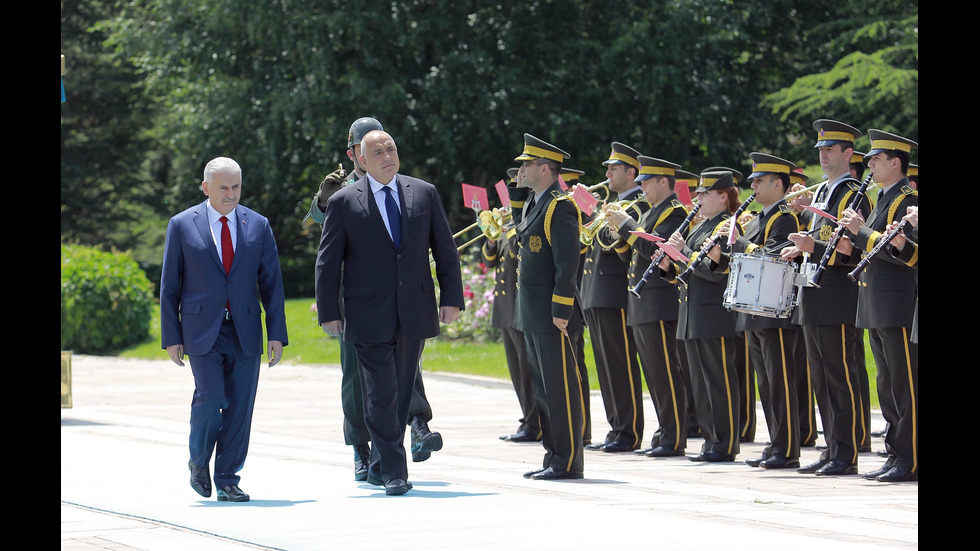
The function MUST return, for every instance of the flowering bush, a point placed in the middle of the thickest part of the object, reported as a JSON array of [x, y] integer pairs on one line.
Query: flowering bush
[[474, 321]]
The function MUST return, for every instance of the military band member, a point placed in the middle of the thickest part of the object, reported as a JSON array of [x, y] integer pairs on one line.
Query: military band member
[[826, 313], [604, 298], [652, 316], [804, 383], [886, 305], [705, 326], [771, 340], [501, 256], [548, 227]]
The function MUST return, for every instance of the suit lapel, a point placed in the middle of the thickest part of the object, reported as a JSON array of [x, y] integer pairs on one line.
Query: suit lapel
[[201, 221], [406, 194]]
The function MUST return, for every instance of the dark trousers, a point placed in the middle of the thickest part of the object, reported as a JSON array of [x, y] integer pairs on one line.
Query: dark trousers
[[716, 393], [225, 382], [515, 349], [656, 343], [897, 359], [807, 415], [557, 391], [771, 352], [388, 374], [746, 385], [618, 372], [352, 398], [831, 354]]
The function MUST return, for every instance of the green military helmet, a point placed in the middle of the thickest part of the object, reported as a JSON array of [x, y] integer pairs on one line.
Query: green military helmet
[[359, 128]]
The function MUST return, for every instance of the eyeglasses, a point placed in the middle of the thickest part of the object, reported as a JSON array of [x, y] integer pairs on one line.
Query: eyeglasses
[[528, 164]]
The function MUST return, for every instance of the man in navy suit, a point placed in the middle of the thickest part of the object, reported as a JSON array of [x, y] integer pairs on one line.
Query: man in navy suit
[[217, 255], [375, 245]]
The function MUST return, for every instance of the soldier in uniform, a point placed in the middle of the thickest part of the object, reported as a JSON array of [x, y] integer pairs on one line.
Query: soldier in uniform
[[704, 326], [548, 226], [886, 305], [501, 256], [652, 316], [826, 313], [771, 340], [604, 298], [424, 441]]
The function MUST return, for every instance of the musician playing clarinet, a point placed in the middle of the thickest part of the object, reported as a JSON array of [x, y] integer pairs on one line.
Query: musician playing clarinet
[[705, 328], [886, 305], [826, 313], [770, 340]]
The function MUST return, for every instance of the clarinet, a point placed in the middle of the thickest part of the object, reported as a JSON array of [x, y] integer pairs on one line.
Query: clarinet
[[713, 241], [834, 239], [874, 251], [660, 254]]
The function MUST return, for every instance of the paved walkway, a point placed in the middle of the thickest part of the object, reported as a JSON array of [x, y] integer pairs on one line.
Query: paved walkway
[[124, 480]]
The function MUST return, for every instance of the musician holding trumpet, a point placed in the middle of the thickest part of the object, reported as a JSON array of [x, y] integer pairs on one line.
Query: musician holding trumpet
[[652, 314], [887, 293], [826, 313]]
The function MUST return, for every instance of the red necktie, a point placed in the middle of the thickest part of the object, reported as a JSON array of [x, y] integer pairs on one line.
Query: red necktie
[[227, 250]]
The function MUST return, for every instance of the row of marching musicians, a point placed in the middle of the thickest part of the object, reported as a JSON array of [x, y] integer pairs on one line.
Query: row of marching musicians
[[710, 302]]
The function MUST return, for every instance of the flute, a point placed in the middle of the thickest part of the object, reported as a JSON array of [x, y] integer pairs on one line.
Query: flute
[[834, 239], [713, 241], [853, 274], [660, 255]]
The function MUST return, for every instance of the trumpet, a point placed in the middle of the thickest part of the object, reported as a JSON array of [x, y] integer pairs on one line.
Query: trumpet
[[590, 230], [602, 186], [797, 193], [491, 225]]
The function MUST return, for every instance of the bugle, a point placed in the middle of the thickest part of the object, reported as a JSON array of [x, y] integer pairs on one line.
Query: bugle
[[712, 241], [797, 193], [601, 186], [835, 238], [491, 226], [685, 225], [882, 242]]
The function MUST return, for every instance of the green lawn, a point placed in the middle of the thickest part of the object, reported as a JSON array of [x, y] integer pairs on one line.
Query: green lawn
[[308, 344]]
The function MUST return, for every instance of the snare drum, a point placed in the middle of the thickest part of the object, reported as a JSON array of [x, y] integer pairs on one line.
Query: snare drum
[[761, 285]]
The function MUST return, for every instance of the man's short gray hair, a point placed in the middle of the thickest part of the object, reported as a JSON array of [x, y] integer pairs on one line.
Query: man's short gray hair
[[221, 165]]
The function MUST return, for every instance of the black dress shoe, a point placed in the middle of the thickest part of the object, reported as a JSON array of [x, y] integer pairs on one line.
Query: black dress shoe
[[780, 462], [837, 467], [663, 451], [880, 471], [755, 462], [551, 474], [713, 457], [200, 479], [232, 493], [529, 474], [598, 446], [617, 446], [397, 487], [898, 473], [362, 457], [812, 467], [644, 451], [524, 436]]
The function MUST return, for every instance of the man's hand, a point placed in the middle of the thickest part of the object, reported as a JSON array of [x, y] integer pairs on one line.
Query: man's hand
[[448, 314], [333, 328], [803, 242], [561, 324], [331, 184], [176, 352], [852, 220], [275, 352]]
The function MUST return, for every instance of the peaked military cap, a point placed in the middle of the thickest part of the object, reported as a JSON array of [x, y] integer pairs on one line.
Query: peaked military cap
[[570, 175], [857, 158], [689, 178], [716, 180], [764, 163], [913, 170], [623, 154], [830, 132], [535, 148], [798, 177], [512, 174], [886, 141], [650, 167], [737, 176]]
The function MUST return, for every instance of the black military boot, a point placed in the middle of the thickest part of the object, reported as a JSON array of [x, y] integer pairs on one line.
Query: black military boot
[[362, 460], [424, 441]]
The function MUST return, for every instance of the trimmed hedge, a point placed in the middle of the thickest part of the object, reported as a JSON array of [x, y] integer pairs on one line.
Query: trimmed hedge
[[106, 300]]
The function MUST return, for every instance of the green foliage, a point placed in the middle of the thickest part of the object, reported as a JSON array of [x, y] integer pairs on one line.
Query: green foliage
[[106, 300]]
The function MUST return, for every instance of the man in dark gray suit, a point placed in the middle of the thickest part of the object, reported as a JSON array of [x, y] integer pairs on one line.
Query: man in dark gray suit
[[375, 247]]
